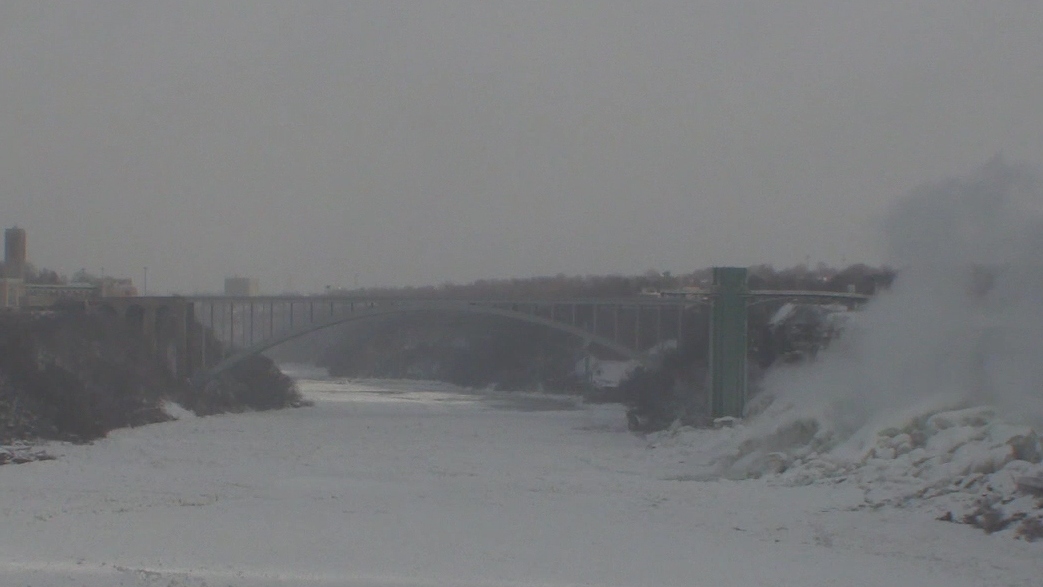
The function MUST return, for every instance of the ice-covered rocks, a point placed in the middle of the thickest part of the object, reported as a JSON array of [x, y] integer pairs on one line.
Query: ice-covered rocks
[[963, 464], [17, 455]]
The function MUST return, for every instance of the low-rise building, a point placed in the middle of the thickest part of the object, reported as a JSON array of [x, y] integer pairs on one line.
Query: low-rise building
[[11, 292], [47, 295], [112, 287]]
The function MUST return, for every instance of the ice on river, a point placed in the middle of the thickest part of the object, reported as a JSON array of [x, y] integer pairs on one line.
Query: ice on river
[[424, 484]]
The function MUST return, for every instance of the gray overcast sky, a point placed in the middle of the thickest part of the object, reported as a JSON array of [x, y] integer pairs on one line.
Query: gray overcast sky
[[418, 142]]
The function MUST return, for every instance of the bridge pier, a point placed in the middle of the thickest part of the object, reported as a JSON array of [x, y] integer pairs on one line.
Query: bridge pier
[[166, 325], [148, 328], [182, 359]]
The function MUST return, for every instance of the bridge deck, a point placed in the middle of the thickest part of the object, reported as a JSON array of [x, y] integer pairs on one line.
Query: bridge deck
[[642, 300]]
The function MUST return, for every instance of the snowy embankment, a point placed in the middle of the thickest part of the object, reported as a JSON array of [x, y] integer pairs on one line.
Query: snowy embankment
[[964, 465], [384, 485]]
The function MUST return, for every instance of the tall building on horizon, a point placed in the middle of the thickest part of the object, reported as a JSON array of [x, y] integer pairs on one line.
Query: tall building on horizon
[[15, 252]]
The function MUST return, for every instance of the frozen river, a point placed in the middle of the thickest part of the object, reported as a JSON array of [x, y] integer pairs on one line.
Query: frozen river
[[420, 484]]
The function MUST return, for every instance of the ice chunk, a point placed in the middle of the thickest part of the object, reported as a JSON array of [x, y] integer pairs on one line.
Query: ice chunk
[[176, 411]]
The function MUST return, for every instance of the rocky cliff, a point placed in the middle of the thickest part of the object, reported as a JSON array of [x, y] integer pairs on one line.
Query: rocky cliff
[[75, 375]]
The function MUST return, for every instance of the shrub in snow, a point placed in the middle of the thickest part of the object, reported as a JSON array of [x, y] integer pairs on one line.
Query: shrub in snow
[[253, 384], [657, 398]]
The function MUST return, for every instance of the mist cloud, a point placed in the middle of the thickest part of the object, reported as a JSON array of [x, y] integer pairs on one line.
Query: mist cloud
[[962, 323]]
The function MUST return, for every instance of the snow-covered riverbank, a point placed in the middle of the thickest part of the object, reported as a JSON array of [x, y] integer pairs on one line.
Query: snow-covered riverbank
[[380, 484]]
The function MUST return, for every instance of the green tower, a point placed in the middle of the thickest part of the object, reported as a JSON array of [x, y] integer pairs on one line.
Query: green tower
[[728, 342]]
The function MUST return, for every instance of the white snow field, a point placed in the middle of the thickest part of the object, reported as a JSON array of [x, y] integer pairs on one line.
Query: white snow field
[[384, 484]]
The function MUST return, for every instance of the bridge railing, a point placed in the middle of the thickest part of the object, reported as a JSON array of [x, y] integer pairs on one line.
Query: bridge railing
[[630, 324]]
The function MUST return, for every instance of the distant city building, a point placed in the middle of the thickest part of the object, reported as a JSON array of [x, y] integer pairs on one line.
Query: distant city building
[[12, 285], [16, 293], [112, 287], [242, 286], [39, 295], [46, 295], [14, 252]]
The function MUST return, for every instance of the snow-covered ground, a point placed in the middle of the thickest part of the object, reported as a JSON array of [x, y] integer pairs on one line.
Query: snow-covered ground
[[392, 484]]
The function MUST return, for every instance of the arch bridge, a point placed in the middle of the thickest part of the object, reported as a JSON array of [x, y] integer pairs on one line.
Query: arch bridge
[[177, 327]]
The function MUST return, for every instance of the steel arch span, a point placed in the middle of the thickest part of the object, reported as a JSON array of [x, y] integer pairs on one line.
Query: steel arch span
[[458, 307]]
